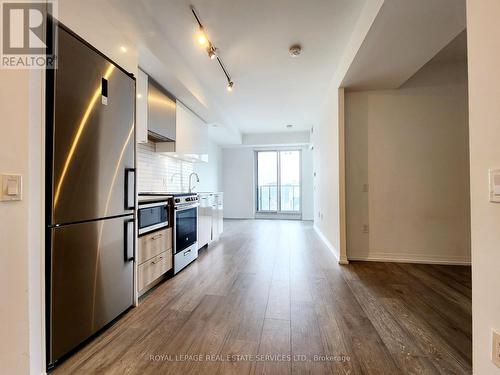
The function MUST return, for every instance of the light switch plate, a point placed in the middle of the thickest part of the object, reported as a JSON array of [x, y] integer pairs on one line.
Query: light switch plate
[[495, 355], [12, 187], [494, 175]]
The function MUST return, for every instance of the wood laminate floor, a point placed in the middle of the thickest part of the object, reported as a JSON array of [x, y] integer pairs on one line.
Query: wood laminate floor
[[269, 298]]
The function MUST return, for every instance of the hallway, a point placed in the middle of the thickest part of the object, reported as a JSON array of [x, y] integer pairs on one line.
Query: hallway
[[270, 298]]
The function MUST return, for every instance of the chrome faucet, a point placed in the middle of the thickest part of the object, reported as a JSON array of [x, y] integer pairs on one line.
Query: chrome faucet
[[197, 180]]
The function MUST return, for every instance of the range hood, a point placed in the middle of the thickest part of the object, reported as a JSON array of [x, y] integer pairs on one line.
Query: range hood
[[161, 113]]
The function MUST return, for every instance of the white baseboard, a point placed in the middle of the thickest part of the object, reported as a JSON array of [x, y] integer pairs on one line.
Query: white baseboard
[[410, 258], [326, 242]]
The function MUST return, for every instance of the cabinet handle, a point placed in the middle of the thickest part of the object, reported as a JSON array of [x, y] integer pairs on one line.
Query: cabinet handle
[[154, 261], [157, 236], [129, 188], [128, 242]]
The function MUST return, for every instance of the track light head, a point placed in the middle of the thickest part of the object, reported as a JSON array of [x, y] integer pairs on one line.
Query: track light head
[[211, 50]]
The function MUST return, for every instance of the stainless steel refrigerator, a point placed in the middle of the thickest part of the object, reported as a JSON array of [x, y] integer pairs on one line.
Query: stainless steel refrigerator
[[90, 194]]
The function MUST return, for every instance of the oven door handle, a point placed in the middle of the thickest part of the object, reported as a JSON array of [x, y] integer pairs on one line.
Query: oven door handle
[[187, 208], [151, 205]]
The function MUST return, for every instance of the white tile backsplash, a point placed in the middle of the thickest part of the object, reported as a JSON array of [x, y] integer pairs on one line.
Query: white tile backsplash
[[157, 172]]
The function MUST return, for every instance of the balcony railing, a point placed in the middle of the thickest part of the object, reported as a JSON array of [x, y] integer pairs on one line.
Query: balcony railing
[[268, 198]]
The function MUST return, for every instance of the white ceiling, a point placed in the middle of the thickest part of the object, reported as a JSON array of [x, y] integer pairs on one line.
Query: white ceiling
[[405, 35], [272, 89], [454, 52]]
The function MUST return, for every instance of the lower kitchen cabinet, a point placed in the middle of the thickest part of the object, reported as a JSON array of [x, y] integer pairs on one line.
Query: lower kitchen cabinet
[[154, 258], [204, 221], [153, 244], [217, 216], [210, 218], [152, 269]]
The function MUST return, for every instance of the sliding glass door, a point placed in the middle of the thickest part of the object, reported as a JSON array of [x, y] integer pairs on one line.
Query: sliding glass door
[[267, 181], [278, 181]]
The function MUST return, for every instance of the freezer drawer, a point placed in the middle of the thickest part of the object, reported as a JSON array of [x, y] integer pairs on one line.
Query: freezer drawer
[[92, 279], [92, 135]]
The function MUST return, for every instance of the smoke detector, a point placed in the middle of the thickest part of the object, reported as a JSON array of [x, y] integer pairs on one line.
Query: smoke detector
[[295, 50]]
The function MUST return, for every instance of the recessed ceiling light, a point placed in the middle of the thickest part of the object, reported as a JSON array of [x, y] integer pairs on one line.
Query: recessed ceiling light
[[295, 50], [289, 126], [139, 96], [123, 49]]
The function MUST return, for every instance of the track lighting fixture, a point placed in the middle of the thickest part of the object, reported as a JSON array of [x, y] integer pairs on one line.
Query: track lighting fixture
[[212, 51]]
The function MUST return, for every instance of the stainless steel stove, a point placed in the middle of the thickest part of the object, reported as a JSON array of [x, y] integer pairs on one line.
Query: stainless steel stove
[[185, 229]]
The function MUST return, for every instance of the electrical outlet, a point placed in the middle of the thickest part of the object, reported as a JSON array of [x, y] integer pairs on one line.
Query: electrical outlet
[[366, 229], [495, 355], [365, 188]]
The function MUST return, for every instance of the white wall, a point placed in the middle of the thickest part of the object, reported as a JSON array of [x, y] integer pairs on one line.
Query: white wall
[[326, 179], [210, 173], [411, 147], [283, 138], [21, 228], [325, 139], [307, 184], [484, 129], [238, 176], [238, 183]]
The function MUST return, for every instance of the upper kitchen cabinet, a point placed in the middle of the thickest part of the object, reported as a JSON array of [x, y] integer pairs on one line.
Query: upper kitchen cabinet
[[191, 137], [141, 127], [161, 113], [155, 116]]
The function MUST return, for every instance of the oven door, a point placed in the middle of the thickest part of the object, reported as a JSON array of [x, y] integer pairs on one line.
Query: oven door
[[152, 216], [186, 221]]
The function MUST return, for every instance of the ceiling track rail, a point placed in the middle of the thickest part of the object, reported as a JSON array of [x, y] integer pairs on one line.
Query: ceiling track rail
[[212, 50]]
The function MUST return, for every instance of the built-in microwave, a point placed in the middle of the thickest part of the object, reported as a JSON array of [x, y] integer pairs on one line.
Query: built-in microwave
[[153, 216]]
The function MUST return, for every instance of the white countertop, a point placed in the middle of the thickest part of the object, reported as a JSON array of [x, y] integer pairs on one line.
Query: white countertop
[[208, 192]]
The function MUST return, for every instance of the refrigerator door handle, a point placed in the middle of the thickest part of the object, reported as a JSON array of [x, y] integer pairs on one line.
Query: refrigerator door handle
[[129, 243], [129, 188]]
